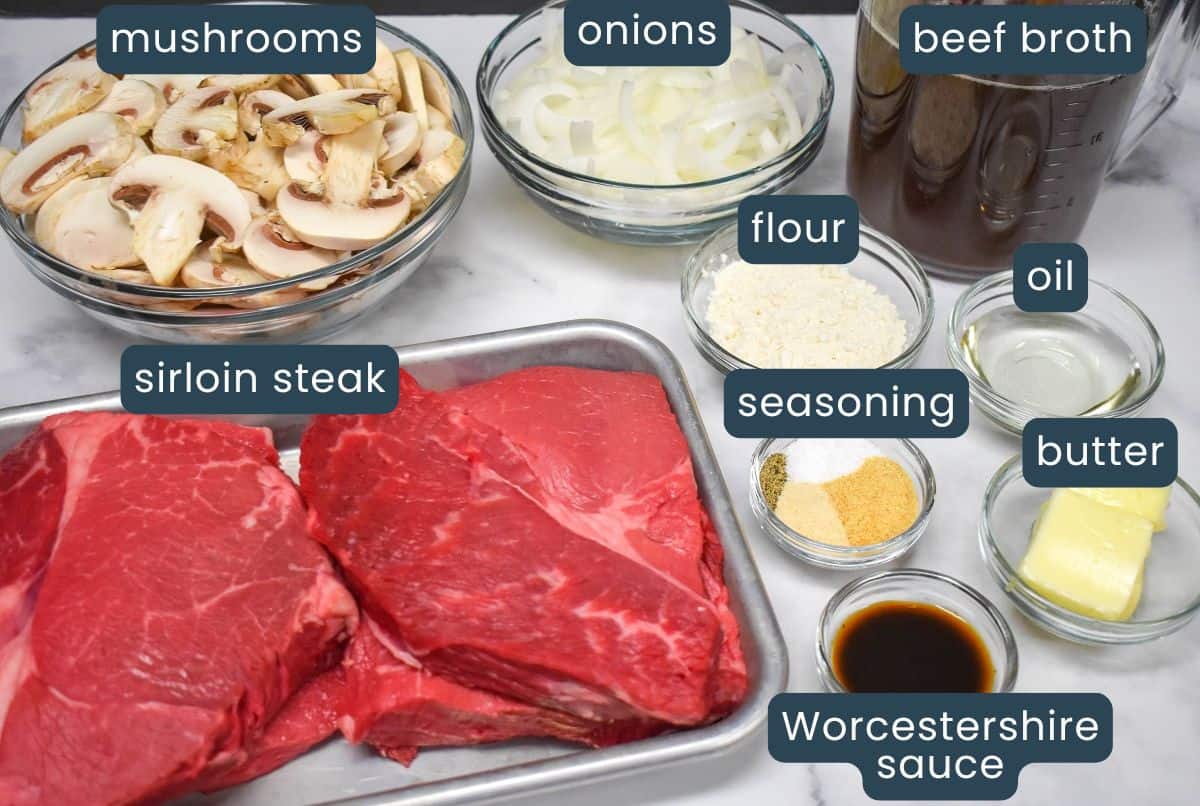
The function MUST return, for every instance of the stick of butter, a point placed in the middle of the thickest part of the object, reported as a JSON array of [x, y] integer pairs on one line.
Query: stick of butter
[[1088, 557], [1149, 502]]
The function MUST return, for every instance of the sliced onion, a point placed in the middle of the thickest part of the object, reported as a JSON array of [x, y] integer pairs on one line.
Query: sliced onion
[[661, 125]]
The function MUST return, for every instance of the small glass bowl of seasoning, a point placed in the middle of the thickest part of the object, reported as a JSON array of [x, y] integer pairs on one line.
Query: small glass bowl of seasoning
[[1094, 566], [842, 503], [1105, 360], [872, 313], [914, 630]]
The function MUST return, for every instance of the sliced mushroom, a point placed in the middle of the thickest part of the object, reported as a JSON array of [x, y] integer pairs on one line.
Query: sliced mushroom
[[91, 144], [78, 225], [341, 212], [293, 86], [256, 104], [305, 159], [139, 150], [173, 86], [413, 99], [255, 201], [435, 89], [268, 299], [138, 102], [202, 122], [73, 87], [242, 83], [330, 113], [202, 271], [6, 156], [401, 140], [225, 158], [260, 169], [139, 276], [318, 83], [383, 75], [170, 200], [275, 251], [439, 160], [437, 120]]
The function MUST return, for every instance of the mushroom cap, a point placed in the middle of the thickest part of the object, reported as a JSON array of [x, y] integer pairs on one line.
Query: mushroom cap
[[337, 112], [78, 225], [63, 92], [6, 156], [275, 251], [256, 104], [170, 201], [139, 103], [90, 144], [203, 121]]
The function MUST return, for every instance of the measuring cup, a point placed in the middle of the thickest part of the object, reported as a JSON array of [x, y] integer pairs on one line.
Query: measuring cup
[[964, 169]]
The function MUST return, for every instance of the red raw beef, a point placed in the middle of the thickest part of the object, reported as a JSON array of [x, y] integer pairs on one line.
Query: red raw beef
[[397, 707], [160, 600], [537, 537], [308, 718]]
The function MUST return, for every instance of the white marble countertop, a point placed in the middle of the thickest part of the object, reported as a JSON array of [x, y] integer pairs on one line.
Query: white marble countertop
[[503, 263]]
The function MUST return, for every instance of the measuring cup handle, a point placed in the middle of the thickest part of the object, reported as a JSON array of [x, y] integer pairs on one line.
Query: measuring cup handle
[[1177, 39]]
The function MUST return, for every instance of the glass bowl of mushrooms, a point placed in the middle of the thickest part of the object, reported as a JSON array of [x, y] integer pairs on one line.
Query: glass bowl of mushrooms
[[189, 208]]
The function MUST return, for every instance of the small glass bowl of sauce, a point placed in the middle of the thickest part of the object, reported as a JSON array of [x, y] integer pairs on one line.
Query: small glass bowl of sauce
[[913, 630]]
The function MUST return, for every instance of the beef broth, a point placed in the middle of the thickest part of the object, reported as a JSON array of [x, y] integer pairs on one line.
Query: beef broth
[[963, 170]]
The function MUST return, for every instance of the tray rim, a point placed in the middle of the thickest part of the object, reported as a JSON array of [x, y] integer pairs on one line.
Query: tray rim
[[758, 619]]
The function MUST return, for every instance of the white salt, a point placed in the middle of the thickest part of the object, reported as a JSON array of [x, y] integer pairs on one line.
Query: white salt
[[816, 461]]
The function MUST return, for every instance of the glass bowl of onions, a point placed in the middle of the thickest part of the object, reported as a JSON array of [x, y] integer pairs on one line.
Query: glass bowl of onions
[[654, 155]]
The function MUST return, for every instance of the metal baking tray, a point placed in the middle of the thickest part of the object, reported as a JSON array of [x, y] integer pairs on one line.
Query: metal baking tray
[[337, 772]]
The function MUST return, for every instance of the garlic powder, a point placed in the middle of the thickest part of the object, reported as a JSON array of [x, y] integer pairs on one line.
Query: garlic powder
[[799, 317]]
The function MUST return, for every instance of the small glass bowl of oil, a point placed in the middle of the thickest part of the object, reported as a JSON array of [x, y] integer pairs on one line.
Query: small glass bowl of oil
[[1105, 360]]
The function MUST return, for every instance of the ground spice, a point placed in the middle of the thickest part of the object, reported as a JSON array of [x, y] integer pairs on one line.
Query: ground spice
[[876, 502], [772, 477]]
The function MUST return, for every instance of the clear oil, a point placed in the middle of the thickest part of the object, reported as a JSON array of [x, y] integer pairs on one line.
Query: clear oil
[[1061, 364]]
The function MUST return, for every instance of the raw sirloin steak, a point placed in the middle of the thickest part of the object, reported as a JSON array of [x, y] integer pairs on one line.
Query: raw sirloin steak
[[160, 601], [534, 559]]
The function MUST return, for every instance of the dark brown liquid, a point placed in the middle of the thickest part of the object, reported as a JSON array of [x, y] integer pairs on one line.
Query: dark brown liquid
[[910, 646], [964, 171]]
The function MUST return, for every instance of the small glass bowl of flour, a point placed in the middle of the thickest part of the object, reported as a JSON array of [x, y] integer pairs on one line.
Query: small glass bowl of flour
[[842, 503], [872, 313]]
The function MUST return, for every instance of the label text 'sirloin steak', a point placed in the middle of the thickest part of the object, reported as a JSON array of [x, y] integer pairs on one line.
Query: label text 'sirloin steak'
[[537, 538], [160, 600]]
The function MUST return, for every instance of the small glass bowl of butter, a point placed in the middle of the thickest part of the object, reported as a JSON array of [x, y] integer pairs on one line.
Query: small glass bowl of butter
[[1095, 566], [1105, 360]]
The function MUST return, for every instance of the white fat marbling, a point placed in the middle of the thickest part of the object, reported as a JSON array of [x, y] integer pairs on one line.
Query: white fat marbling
[[504, 263]]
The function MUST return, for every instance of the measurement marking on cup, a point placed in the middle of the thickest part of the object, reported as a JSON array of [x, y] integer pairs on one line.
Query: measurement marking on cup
[[1045, 210]]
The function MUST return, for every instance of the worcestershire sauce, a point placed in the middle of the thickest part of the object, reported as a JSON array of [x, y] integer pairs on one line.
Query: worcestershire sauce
[[910, 646]]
